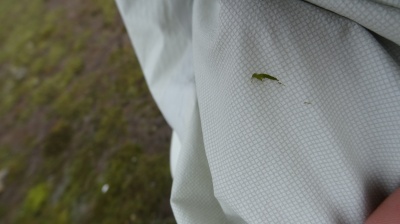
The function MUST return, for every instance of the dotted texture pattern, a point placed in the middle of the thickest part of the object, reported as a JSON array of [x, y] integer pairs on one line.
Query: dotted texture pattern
[[274, 158], [322, 148]]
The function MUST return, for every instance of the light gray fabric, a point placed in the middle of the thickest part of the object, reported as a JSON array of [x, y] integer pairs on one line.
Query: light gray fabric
[[161, 35], [380, 16], [322, 148]]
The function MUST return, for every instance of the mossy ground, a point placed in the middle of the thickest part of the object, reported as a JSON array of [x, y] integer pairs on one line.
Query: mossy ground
[[76, 116]]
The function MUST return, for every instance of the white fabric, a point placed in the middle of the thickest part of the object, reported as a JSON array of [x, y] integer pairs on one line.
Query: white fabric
[[322, 148], [175, 150]]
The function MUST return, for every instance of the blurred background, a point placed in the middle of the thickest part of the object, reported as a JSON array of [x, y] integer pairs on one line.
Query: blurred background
[[81, 139]]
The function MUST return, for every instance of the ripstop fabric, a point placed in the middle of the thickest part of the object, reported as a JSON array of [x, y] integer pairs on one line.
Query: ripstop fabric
[[322, 147]]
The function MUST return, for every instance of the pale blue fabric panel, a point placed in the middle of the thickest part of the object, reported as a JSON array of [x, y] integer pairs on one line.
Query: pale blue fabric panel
[[161, 33], [322, 148], [273, 158], [379, 16]]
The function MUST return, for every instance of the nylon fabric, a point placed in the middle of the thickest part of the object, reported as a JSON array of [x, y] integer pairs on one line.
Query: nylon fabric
[[322, 148]]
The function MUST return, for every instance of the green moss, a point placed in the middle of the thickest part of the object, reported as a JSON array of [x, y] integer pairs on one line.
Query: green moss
[[38, 65], [55, 54], [63, 217], [74, 65], [58, 139], [49, 25], [3, 210], [144, 180], [15, 37], [48, 89], [8, 99], [73, 91], [15, 163], [108, 11], [70, 108], [112, 123], [80, 41], [36, 198]]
